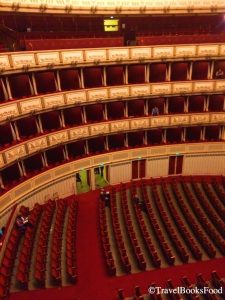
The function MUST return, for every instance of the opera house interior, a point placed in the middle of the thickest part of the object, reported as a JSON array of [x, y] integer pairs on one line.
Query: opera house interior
[[112, 150]]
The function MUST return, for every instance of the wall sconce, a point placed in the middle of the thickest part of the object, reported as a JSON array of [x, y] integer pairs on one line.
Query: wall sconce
[[25, 68], [15, 6], [42, 8], [166, 9], [97, 62], [213, 8], [141, 59], [190, 9], [119, 60], [68, 9], [94, 9], [118, 10], [142, 9], [50, 66], [73, 63]]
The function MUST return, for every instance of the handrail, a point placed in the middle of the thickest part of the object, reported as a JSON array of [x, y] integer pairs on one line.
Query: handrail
[[41, 103], [63, 136], [31, 60]]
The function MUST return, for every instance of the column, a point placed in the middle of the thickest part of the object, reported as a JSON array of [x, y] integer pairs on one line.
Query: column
[[34, 84], [146, 107], [82, 78], [16, 131], [166, 105], [126, 75], [164, 136], [37, 125], [20, 169], [92, 181], [83, 115], [105, 112], [190, 71], [86, 147], [203, 133], [147, 72], [145, 139], [223, 133], [62, 119], [186, 107], [126, 140], [126, 110], [183, 137], [104, 77], [23, 168], [206, 103], [45, 159], [106, 143], [40, 123], [168, 71], [8, 87], [212, 64], [65, 152], [1, 182], [31, 85], [4, 90], [13, 131], [58, 81]]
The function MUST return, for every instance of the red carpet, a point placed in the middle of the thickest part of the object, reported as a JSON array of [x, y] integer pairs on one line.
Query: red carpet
[[94, 283]]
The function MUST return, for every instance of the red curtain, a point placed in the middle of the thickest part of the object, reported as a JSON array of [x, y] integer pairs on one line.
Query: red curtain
[[172, 161], [179, 166], [134, 169]]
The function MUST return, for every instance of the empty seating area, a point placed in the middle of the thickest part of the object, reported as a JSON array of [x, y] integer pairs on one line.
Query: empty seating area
[[33, 32], [153, 293], [170, 223], [45, 254]]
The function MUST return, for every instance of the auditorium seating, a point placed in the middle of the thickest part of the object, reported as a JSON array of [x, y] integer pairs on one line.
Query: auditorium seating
[[30, 258]]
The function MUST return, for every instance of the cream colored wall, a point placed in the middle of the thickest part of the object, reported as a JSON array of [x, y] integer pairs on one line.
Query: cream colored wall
[[61, 179], [34, 60], [31, 146]]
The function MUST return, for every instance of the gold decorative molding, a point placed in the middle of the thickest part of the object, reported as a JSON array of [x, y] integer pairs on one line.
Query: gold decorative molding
[[69, 169], [103, 7], [22, 107], [15, 61], [63, 136]]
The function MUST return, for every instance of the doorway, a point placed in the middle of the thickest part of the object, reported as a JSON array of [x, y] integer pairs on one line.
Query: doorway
[[101, 176], [175, 164], [82, 181]]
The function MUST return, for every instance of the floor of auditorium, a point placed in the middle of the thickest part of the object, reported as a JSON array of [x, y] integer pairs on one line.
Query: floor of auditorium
[[93, 281]]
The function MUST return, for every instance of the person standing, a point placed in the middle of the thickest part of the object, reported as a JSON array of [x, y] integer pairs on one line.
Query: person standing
[[155, 111]]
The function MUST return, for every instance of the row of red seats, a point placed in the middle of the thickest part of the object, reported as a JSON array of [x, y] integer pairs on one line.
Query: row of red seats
[[202, 238], [215, 282], [118, 233], [181, 225], [129, 226], [215, 202], [25, 254], [42, 244], [144, 232], [8, 260], [151, 215], [203, 200], [104, 234], [204, 221], [219, 191], [71, 229], [169, 227], [56, 242]]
